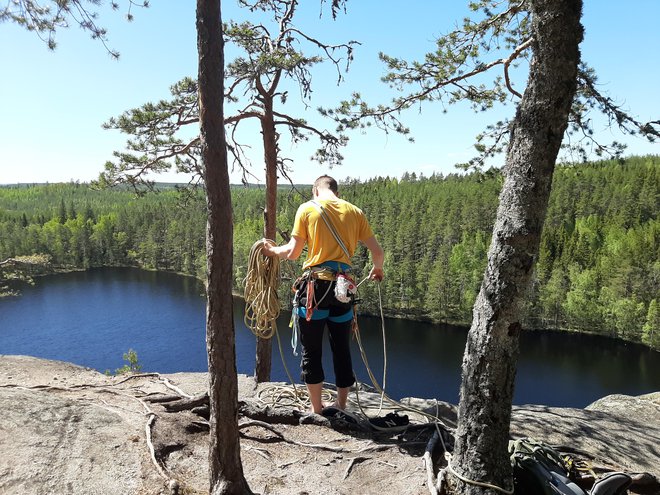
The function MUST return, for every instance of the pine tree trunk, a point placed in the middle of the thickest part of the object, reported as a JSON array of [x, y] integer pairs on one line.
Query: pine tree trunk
[[226, 471], [263, 362], [489, 363]]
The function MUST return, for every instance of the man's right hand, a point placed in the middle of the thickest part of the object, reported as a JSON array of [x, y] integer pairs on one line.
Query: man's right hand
[[376, 274]]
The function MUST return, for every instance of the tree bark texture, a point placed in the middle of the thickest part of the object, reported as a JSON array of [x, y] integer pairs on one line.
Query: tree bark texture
[[489, 362], [226, 471], [263, 362]]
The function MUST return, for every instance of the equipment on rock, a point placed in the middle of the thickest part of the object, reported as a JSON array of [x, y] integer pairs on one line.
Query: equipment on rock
[[540, 469], [611, 484]]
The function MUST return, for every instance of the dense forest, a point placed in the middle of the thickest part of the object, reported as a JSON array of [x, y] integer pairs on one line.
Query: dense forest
[[598, 270]]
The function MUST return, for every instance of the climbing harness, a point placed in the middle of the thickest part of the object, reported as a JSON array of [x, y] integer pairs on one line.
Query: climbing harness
[[310, 276], [306, 284]]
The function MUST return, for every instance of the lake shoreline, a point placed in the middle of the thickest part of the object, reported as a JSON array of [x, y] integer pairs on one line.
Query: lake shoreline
[[406, 317]]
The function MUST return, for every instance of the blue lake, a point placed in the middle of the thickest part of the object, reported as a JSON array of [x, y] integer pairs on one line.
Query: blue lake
[[91, 318]]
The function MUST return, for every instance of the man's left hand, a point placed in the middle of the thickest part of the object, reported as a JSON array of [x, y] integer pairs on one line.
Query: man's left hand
[[267, 248]]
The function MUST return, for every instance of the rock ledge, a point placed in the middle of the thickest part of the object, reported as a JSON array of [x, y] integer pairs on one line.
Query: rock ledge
[[72, 430]]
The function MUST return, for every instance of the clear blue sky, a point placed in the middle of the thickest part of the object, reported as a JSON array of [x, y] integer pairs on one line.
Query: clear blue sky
[[53, 103]]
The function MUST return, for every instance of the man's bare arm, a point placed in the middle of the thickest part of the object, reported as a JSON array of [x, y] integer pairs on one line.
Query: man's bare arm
[[290, 251], [377, 256]]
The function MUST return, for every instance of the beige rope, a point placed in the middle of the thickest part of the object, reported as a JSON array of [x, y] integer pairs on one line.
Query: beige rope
[[374, 381], [262, 307], [296, 397], [285, 396], [473, 482]]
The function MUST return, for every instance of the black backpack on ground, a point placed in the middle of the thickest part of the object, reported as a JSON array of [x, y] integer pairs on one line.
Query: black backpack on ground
[[538, 469]]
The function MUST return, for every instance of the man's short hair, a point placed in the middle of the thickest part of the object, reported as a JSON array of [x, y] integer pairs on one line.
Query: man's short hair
[[326, 182]]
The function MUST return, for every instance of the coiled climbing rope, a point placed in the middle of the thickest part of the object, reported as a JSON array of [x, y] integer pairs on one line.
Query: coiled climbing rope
[[262, 307]]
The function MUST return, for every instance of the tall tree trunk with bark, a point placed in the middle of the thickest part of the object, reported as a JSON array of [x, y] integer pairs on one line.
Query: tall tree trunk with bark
[[265, 346], [489, 363], [226, 471]]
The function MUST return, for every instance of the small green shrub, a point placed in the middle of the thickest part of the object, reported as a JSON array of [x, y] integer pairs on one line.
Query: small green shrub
[[132, 366]]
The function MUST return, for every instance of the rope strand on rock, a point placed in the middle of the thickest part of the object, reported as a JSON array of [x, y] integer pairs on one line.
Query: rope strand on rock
[[482, 484]]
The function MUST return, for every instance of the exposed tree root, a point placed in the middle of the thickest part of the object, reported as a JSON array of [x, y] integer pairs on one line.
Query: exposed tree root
[[187, 403], [354, 461]]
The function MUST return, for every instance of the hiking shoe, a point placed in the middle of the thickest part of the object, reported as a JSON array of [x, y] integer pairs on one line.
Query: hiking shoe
[[391, 422], [336, 413], [611, 484]]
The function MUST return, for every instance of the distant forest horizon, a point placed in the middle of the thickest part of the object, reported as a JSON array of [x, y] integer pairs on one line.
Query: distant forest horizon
[[598, 270]]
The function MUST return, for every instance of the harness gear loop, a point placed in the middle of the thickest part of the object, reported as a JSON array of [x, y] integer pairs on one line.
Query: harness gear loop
[[309, 306], [309, 276], [295, 326], [320, 273]]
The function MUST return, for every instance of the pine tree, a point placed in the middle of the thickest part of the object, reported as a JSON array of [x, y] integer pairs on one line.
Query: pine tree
[[651, 329], [61, 215]]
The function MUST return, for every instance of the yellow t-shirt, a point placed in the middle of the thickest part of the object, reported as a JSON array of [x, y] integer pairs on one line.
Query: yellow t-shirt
[[348, 220]]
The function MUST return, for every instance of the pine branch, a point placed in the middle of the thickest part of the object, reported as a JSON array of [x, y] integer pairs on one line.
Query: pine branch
[[615, 113], [46, 20], [267, 60]]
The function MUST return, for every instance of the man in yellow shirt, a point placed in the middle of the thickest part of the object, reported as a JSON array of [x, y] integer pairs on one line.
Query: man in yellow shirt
[[331, 228]]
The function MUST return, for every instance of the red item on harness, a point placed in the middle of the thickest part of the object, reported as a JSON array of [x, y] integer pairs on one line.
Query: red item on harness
[[309, 306]]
